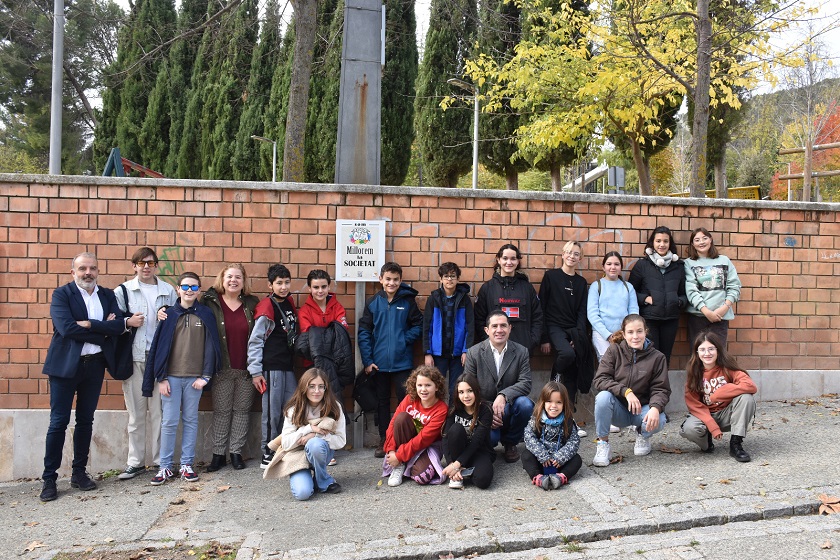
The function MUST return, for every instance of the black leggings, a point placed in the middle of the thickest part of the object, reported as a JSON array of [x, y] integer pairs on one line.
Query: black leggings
[[533, 467], [455, 442], [663, 334]]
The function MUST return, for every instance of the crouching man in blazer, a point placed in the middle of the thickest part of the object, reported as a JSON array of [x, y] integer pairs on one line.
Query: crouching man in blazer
[[504, 376], [86, 322]]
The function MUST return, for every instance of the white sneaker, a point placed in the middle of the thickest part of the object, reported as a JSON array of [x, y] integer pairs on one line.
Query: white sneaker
[[582, 433], [642, 446], [456, 484], [602, 454], [332, 462], [614, 429], [396, 477]]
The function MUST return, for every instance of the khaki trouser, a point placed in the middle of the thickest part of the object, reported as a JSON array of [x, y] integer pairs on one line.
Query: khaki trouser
[[734, 418], [138, 406]]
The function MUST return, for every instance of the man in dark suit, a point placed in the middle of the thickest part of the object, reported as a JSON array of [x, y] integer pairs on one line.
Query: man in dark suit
[[504, 376], [86, 322]]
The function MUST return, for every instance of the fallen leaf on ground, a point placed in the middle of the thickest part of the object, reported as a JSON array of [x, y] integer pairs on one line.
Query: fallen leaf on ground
[[445, 556], [178, 502], [826, 545], [33, 545], [675, 450], [726, 481], [460, 528], [784, 420], [617, 459], [518, 508], [830, 504], [222, 488], [31, 524]]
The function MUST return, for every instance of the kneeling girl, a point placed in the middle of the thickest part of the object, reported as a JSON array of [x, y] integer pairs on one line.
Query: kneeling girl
[[466, 437], [315, 420], [551, 440], [412, 443]]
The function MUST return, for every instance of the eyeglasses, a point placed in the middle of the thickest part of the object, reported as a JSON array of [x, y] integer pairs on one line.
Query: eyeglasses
[[575, 255], [450, 277], [188, 287], [707, 350], [321, 388], [144, 264]]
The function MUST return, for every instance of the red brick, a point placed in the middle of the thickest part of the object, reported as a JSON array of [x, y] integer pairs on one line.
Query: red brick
[[14, 219], [14, 401]]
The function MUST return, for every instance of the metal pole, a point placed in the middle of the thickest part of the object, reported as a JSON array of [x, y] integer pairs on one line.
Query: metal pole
[[359, 426], [789, 193], [475, 140], [273, 162], [56, 104]]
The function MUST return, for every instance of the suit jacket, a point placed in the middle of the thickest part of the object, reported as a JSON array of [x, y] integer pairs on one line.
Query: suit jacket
[[515, 372], [67, 307]]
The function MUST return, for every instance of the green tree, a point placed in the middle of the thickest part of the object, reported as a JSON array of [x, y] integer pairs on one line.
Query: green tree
[[25, 75], [150, 24], [154, 134], [498, 36], [444, 137], [274, 120], [398, 93], [266, 55], [324, 84], [182, 57]]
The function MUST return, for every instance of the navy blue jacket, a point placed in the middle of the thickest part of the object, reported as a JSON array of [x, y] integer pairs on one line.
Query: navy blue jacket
[[387, 331], [66, 307], [162, 344], [433, 323]]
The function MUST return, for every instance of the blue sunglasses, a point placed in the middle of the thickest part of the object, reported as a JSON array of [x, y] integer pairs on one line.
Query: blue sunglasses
[[187, 288]]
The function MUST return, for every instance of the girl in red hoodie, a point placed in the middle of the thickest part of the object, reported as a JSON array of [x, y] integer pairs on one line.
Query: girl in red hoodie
[[413, 441], [719, 396], [321, 307]]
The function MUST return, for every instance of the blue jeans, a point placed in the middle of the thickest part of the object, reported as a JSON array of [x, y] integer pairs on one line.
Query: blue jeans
[[318, 453], [610, 410], [453, 367], [85, 387], [514, 421], [181, 404]]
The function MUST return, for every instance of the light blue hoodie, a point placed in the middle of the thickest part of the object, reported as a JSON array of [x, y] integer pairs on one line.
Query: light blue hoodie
[[609, 304]]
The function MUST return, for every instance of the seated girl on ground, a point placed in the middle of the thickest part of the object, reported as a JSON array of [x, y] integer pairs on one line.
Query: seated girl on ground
[[633, 389], [413, 439], [719, 397], [314, 420], [551, 440], [466, 437]]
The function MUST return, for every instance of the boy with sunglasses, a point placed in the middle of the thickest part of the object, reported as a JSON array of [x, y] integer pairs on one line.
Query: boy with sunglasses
[[185, 353], [145, 293]]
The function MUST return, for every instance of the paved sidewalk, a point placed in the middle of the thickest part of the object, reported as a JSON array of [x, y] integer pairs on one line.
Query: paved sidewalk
[[793, 445]]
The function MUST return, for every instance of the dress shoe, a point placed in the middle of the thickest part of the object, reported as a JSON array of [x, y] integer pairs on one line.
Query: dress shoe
[[82, 481], [737, 450], [236, 461], [216, 463], [49, 492]]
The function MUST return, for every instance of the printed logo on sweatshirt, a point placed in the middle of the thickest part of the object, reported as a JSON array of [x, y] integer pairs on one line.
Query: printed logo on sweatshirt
[[710, 386], [417, 415], [401, 308], [509, 300], [197, 322], [511, 312]]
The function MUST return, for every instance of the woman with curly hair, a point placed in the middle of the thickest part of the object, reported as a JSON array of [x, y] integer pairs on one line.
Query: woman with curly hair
[[413, 440]]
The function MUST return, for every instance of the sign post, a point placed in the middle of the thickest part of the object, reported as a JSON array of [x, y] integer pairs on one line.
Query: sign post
[[359, 255]]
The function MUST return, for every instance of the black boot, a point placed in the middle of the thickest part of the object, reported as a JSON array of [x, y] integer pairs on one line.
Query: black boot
[[737, 450], [710, 444], [236, 461], [49, 492], [82, 481], [217, 463]]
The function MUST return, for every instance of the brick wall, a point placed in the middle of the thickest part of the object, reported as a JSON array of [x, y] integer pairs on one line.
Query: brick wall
[[787, 254]]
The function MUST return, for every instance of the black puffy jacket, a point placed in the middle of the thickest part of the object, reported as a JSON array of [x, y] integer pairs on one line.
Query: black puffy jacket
[[667, 290], [330, 349]]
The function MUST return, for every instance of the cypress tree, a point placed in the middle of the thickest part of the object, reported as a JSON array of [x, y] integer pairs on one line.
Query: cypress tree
[[181, 59], [398, 91], [322, 112], [246, 154], [444, 137], [154, 134], [152, 23], [501, 32], [224, 95], [274, 120]]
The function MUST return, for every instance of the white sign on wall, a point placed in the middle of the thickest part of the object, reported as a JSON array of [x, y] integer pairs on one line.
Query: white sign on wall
[[359, 250]]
